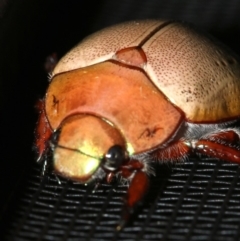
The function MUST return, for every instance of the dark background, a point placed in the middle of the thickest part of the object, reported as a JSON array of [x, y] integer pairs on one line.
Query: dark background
[[198, 200]]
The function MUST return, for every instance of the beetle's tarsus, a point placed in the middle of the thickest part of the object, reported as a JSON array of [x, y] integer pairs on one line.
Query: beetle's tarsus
[[96, 186], [126, 214], [39, 159], [58, 180], [44, 168], [121, 225]]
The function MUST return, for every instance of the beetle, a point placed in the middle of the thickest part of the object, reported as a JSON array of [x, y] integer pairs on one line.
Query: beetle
[[135, 94]]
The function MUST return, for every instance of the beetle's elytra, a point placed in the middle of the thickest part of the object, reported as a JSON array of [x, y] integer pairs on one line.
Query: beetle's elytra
[[138, 93]]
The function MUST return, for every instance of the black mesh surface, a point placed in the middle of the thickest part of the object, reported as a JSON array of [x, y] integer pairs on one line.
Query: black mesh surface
[[197, 200]]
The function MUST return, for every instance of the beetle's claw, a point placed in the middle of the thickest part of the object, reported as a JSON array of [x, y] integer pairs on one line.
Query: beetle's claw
[[126, 214], [39, 158], [96, 186], [44, 166], [121, 225]]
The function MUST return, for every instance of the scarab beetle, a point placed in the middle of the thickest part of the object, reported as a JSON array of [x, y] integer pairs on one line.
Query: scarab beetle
[[135, 94]]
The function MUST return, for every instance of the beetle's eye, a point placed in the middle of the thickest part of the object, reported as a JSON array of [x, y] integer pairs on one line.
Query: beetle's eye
[[115, 156]]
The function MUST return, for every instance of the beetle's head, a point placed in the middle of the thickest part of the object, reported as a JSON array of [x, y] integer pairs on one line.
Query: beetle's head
[[85, 144]]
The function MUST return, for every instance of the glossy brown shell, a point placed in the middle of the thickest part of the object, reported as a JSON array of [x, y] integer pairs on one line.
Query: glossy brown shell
[[192, 71], [123, 96]]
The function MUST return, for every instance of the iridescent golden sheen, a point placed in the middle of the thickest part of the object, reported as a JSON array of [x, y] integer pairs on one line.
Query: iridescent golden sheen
[[83, 142]]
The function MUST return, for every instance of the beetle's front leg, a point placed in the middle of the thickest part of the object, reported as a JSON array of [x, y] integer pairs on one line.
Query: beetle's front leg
[[137, 188], [223, 145], [139, 182], [43, 132]]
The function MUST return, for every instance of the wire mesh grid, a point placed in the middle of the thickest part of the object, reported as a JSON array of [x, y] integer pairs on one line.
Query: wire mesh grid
[[197, 200]]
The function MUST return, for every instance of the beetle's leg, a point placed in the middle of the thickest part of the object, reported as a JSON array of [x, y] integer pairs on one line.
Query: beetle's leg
[[137, 188], [110, 177], [96, 186], [44, 166], [133, 171], [223, 145], [43, 131]]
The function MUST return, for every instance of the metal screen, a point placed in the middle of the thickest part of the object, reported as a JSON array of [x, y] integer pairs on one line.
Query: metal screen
[[197, 200]]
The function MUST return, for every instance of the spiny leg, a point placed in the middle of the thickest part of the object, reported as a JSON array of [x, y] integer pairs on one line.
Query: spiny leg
[[139, 180], [43, 131], [137, 188], [223, 145]]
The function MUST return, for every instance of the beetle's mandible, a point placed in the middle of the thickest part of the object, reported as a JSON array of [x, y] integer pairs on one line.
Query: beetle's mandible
[[138, 93]]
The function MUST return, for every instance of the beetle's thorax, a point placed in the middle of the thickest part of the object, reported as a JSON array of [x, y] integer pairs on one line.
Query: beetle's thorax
[[120, 94]]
